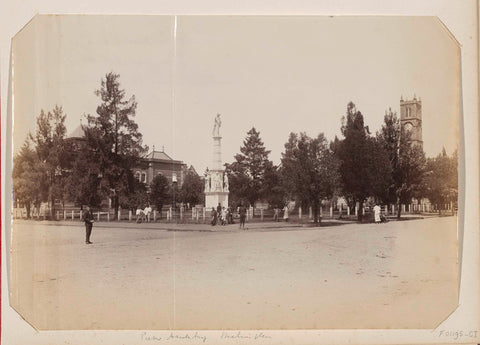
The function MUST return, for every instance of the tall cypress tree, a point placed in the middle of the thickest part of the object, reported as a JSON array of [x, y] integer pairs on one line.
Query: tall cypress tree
[[364, 166]]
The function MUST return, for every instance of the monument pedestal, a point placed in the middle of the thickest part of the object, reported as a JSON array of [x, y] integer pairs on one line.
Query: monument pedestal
[[212, 199]]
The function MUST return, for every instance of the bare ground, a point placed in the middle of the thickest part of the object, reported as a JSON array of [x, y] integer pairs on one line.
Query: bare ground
[[394, 275]]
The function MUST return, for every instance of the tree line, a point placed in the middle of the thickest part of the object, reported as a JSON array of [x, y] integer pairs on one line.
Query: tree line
[[358, 166], [50, 167], [385, 168]]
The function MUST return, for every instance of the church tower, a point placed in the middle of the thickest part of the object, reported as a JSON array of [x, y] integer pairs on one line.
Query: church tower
[[411, 118]]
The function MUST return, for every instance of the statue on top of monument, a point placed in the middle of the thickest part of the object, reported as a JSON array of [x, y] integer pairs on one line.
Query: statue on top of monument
[[216, 126]]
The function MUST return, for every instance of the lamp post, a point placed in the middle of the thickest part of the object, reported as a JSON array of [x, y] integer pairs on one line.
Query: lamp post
[[174, 187]]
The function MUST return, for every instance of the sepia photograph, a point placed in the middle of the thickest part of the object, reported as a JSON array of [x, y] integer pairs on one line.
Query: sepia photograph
[[184, 172]]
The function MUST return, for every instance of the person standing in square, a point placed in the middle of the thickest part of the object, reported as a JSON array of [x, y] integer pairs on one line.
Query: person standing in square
[[243, 215], [88, 219]]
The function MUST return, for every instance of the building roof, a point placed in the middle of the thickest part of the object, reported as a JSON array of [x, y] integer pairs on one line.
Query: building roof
[[77, 133], [158, 155]]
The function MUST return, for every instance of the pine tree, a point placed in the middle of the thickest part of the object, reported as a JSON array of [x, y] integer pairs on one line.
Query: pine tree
[[114, 143], [247, 173]]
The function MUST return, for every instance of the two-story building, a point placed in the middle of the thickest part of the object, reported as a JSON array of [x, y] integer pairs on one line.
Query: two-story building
[[152, 164]]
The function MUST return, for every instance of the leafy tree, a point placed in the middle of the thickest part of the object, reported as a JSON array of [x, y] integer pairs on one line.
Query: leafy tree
[[160, 192], [381, 171], [29, 178], [135, 197], [409, 174], [49, 140], [83, 184], [192, 188], [309, 170], [441, 180], [238, 184], [247, 173], [113, 141], [273, 188], [389, 138], [406, 159]]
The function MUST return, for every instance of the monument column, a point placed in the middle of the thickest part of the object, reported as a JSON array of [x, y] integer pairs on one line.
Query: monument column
[[216, 180], [217, 153]]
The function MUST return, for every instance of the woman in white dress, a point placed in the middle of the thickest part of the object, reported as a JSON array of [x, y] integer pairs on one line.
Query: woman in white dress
[[376, 213], [285, 213]]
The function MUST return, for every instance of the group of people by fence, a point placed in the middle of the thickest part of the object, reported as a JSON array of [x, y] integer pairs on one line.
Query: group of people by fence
[[143, 215], [222, 215]]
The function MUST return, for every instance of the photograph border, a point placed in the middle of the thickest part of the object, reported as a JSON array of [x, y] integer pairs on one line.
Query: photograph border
[[459, 19]]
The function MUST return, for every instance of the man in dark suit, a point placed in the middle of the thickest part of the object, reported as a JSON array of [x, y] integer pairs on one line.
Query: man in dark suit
[[88, 219], [242, 210]]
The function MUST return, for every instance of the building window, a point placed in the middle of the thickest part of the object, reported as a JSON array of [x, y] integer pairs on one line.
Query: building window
[[137, 176], [144, 178]]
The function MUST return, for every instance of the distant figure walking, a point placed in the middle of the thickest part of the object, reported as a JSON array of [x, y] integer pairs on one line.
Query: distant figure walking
[[376, 213], [276, 212], [285, 213], [89, 220], [214, 216], [242, 210], [229, 216]]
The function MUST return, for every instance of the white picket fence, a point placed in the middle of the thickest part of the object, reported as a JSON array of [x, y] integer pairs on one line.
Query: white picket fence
[[202, 215]]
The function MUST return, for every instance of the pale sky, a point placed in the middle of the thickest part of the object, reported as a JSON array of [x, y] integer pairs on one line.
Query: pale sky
[[279, 74]]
